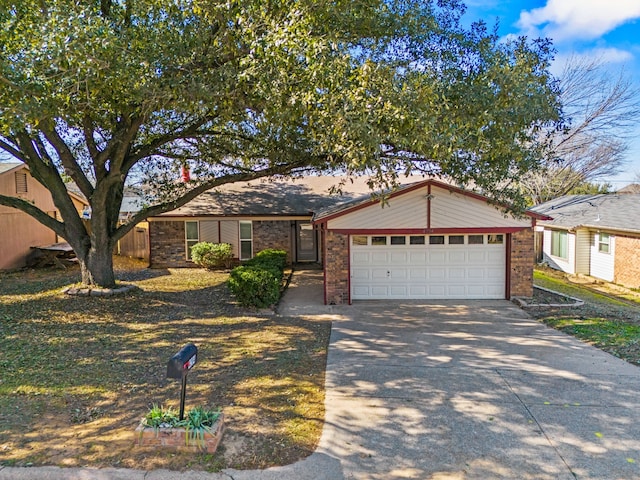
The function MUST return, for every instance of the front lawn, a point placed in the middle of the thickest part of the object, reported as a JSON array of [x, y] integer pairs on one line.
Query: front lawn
[[78, 373], [609, 319]]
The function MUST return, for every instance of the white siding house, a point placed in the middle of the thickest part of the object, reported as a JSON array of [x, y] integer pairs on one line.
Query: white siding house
[[602, 236], [602, 254]]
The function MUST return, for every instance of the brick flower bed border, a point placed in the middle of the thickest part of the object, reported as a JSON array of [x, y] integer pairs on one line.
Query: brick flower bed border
[[176, 438]]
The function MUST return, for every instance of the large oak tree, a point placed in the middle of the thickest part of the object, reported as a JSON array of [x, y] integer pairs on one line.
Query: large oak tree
[[105, 94]]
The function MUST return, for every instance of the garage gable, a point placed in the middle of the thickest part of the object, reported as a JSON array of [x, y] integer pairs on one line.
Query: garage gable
[[426, 205]]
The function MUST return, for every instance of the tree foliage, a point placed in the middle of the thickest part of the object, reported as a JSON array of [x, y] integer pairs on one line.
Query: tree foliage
[[601, 113], [116, 93]]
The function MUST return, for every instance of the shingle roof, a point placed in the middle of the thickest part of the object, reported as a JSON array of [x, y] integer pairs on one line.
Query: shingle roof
[[282, 197], [610, 211]]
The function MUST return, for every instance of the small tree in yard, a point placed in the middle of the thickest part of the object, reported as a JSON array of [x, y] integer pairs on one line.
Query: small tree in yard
[[602, 113], [212, 255], [112, 93]]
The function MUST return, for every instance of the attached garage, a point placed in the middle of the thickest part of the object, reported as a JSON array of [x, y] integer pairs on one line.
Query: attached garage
[[427, 267], [431, 241]]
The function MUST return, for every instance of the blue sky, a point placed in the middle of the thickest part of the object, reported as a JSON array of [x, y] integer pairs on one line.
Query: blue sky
[[605, 29]]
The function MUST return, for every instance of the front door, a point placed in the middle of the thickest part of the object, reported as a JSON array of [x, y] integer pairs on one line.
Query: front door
[[306, 246]]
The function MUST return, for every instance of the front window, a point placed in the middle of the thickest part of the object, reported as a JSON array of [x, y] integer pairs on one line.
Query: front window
[[246, 240], [192, 236], [604, 243], [559, 244]]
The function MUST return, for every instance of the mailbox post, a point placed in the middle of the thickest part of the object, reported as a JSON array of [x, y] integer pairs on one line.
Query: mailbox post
[[179, 366]]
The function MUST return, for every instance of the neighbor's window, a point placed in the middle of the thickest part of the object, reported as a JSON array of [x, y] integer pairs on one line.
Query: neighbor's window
[[476, 239], [436, 240], [397, 240], [378, 241], [559, 244], [359, 240], [21, 182], [495, 239], [604, 243], [192, 236], [246, 240]]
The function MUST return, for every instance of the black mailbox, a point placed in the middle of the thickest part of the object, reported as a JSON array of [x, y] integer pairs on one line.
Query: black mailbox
[[183, 361], [178, 367]]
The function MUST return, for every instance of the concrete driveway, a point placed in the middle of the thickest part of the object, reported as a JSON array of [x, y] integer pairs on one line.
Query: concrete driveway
[[448, 390], [470, 390]]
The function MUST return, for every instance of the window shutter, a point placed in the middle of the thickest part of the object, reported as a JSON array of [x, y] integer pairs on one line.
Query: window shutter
[[21, 182]]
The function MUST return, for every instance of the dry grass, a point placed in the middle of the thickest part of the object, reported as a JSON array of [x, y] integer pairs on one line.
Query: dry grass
[[78, 373]]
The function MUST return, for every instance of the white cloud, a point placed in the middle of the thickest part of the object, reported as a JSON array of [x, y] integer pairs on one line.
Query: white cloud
[[583, 19], [605, 56]]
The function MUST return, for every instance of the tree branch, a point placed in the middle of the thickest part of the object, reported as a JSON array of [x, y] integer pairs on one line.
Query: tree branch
[[12, 150], [152, 147], [87, 128], [30, 209], [67, 158], [245, 176]]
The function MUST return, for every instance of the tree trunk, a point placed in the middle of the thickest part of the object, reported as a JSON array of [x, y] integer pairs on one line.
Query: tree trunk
[[97, 267]]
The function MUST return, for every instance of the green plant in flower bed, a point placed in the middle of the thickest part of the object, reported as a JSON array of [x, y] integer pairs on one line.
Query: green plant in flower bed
[[197, 421], [200, 420], [161, 417]]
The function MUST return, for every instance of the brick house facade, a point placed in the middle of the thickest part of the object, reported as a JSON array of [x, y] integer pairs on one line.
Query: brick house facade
[[521, 272], [627, 261], [273, 234], [168, 247], [438, 241], [336, 269]]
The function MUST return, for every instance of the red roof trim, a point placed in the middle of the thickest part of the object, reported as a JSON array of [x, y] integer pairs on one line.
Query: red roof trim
[[425, 231]]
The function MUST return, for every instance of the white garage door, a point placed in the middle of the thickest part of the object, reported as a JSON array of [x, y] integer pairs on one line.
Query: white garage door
[[427, 267]]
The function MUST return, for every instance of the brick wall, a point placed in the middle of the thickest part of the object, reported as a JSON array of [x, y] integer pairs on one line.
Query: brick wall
[[336, 266], [167, 241], [626, 269], [167, 245], [522, 257], [272, 234]]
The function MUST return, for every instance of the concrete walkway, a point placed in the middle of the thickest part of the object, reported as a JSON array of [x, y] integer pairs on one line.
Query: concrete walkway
[[452, 390]]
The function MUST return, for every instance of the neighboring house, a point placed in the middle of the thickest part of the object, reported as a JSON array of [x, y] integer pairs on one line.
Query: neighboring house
[[631, 188], [596, 235], [19, 231], [430, 240]]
